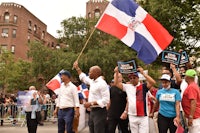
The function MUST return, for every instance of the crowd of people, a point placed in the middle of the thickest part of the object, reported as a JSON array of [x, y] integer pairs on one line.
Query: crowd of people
[[11, 108], [138, 106], [8, 107], [126, 105]]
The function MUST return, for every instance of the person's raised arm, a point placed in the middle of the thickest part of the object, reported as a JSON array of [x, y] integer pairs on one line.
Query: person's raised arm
[[79, 71], [176, 74], [149, 79], [82, 76], [116, 76]]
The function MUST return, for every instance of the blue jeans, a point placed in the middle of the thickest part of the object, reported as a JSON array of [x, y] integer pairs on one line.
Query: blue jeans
[[65, 120]]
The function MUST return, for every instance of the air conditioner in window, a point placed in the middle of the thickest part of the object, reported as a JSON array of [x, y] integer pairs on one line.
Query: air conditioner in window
[[4, 34]]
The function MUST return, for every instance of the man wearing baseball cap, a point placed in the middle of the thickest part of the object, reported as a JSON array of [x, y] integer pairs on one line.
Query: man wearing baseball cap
[[67, 101], [168, 101], [136, 95], [191, 102]]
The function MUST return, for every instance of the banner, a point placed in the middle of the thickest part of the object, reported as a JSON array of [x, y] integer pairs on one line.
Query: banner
[[171, 57], [127, 67], [21, 98], [184, 57]]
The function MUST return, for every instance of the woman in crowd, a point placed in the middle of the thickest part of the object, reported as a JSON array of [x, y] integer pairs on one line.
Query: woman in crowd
[[168, 99]]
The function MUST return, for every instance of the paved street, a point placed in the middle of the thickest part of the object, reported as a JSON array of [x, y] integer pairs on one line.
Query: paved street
[[47, 128]]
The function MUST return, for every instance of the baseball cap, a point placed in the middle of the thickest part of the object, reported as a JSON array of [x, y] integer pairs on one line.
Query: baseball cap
[[191, 73], [133, 74], [165, 77], [66, 73]]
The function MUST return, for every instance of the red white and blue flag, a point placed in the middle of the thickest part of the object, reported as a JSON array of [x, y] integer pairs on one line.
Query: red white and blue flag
[[83, 91], [55, 83], [130, 23]]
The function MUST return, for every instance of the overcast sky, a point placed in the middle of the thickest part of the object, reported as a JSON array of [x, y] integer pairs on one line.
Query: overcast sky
[[52, 12]]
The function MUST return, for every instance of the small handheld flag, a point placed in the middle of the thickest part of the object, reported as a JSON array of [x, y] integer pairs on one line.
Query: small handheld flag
[[55, 83], [83, 91]]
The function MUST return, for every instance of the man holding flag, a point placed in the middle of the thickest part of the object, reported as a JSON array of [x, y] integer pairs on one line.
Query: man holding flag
[[98, 99]]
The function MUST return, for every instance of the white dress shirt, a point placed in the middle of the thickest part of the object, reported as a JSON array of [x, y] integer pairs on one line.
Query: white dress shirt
[[68, 96], [98, 91]]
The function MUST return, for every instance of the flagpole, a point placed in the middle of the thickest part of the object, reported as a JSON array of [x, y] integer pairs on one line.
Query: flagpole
[[85, 44]]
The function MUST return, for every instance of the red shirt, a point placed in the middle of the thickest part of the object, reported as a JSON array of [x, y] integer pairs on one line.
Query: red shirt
[[150, 101], [192, 92]]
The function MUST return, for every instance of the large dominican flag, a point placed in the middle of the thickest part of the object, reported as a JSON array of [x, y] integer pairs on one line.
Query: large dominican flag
[[55, 83], [130, 23]]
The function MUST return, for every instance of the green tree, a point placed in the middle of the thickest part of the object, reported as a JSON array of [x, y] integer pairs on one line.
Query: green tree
[[22, 77], [181, 18], [7, 69], [46, 63], [102, 49]]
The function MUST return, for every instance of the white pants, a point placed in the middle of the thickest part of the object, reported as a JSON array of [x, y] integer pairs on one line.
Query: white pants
[[139, 124], [195, 128]]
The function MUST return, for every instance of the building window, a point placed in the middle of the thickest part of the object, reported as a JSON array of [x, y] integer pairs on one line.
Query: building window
[[52, 45], [4, 32], [6, 17], [29, 39], [14, 33], [89, 15], [15, 19], [29, 25], [97, 13], [58, 46], [4, 48], [35, 29], [43, 35], [13, 49]]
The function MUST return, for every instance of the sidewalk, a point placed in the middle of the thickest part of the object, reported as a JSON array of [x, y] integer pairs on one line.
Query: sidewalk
[[48, 127]]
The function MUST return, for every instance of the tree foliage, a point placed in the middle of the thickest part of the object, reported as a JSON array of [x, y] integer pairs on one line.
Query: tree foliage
[[181, 18]]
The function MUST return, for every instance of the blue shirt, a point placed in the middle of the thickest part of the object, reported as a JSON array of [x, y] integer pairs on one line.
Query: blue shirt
[[167, 100]]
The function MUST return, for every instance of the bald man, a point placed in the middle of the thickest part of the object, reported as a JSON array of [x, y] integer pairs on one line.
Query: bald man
[[99, 97]]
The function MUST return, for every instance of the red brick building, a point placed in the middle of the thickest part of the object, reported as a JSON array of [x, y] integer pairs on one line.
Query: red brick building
[[18, 26], [95, 8]]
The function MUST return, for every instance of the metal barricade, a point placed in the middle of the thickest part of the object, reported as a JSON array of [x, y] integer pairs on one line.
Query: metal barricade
[[13, 113]]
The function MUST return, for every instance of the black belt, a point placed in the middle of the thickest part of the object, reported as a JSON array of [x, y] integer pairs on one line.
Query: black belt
[[66, 109], [97, 108]]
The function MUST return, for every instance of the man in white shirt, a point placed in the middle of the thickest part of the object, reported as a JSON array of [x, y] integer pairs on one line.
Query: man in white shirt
[[99, 97], [67, 101]]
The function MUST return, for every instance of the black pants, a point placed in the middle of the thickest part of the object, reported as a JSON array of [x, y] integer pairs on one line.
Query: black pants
[[32, 123], [165, 123], [113, 122], [97, 120]]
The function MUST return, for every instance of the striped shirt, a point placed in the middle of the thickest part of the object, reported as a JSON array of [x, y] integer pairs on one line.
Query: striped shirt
[[137, 99]]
